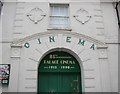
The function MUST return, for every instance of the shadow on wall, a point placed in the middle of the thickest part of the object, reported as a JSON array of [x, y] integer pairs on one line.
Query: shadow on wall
[[1, 4], [119, 47], [119, 60]]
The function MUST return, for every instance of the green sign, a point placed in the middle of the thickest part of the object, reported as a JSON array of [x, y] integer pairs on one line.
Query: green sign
[[59, 73], [59, 61]]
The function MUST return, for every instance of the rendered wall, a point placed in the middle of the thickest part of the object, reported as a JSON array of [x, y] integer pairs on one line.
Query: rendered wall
[[102, 26]]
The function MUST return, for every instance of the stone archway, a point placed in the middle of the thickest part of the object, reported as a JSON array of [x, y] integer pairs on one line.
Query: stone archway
[[37, 45], [59, 71]]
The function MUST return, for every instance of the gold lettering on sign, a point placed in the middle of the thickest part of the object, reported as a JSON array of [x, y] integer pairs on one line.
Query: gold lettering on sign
[[46, 62], [54, 61], [59, 62], [64, 61], [50, 61], [67, 62]]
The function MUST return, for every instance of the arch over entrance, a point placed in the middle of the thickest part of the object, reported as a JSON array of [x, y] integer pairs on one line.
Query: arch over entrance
[[59, 72]]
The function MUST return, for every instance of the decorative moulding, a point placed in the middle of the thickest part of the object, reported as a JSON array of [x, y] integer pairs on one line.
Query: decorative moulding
[[15, 53], [103, 54], [82, 16], [19, 42], [36, 15]]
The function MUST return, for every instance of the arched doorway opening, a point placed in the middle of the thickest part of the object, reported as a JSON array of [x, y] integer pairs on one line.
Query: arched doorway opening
[[59, 72]]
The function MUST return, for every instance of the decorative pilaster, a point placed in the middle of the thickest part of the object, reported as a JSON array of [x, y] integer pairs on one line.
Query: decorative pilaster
[[18, 26], [104, 69], [15, 66]]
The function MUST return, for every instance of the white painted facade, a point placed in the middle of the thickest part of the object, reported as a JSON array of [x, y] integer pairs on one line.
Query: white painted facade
[[99, 65]]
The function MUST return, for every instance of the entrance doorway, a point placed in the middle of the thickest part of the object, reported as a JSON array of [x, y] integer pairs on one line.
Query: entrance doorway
[[59, 72]]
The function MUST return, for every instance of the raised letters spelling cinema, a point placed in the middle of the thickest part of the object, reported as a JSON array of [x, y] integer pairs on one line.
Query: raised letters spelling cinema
[[59, 46]]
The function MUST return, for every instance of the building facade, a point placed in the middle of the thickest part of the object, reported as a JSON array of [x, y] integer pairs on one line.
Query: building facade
[[60, 46]]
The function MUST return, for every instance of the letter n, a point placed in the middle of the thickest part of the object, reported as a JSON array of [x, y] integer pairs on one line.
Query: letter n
[[52, 39]]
